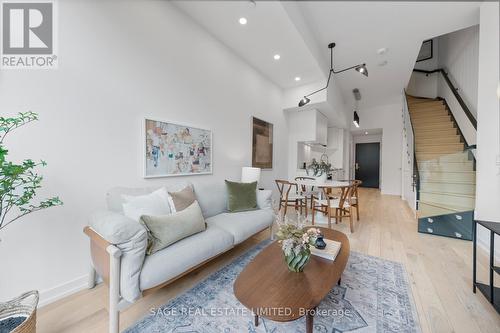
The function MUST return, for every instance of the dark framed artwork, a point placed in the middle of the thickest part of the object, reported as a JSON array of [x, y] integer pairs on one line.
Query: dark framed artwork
[[425, 52], [262, 144]]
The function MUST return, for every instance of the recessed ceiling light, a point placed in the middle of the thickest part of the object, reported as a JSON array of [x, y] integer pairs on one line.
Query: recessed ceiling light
[[297, 78], [243, 21], [366, 133], [277, 57], [382, 50]]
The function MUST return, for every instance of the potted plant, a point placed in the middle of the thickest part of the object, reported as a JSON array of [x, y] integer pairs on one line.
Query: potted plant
[[295, 242], [19, 183], [318, 170]]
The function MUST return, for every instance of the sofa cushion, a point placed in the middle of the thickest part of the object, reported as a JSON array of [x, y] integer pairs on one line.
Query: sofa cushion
[[155, 203], [242, 225], [212, 197], [182, 199], [241, 196], [164, 230], [115, 200], [183, 255]]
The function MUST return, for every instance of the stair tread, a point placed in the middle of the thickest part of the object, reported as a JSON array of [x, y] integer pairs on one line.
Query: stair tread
[[433, 144], [445, 162], [446, 171], [431, 117], [447, 206], [428, 111], [423, 101], [450, 137], [451, 194], [453, 144], [425, 109], [426, 105], [433, 129], [441, 154], [447, 182], [432, 125]]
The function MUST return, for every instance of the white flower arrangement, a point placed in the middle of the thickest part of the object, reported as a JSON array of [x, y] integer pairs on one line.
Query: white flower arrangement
[[292, 235]]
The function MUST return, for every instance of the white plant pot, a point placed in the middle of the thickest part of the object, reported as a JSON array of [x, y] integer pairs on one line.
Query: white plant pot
[[321, 179]]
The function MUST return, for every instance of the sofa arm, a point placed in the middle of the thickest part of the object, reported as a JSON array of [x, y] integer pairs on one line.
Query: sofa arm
[[113, 227], [130, 237]]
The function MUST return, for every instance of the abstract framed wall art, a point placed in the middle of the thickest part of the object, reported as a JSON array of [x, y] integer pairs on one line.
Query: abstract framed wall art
[[262, 144], [172, 149]]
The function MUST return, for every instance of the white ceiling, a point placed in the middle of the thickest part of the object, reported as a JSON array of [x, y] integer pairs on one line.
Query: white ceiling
[[361, 28], [269, 31], [300, 31]]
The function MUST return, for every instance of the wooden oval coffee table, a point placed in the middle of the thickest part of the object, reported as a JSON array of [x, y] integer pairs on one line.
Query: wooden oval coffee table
[[270, 290]]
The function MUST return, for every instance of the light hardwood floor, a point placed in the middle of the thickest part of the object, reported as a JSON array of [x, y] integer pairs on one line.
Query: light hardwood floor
[[439, 271]]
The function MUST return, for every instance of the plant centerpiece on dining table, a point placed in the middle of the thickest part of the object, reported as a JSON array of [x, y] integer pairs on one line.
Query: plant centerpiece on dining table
[[295, 242], [318, 169]]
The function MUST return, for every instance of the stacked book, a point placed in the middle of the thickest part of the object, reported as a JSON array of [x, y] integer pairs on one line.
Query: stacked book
[[329, 252]]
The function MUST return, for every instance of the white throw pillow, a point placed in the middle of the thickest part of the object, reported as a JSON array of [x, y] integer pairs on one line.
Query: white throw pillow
[[264, 199], [171, 203], [155, 203]]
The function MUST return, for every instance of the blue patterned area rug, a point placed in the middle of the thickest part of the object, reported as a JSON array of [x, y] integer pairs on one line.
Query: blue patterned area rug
[[374, 297]]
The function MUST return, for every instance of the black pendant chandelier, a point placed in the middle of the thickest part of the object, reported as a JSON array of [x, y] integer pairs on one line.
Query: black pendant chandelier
[[361, 68]]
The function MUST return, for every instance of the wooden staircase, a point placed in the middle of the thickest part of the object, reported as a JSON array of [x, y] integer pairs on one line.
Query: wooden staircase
[[447, 175]]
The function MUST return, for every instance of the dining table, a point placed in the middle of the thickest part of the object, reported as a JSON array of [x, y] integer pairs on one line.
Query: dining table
[[322, 184], [322, 187]]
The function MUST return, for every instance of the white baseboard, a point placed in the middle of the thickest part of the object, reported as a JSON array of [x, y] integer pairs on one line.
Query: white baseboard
[[65, 289]]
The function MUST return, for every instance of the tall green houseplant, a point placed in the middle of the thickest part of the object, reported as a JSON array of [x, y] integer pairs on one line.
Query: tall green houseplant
[[19, 182]]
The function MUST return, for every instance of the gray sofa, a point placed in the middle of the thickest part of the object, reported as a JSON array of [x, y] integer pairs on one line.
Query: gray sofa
[[118, 244]]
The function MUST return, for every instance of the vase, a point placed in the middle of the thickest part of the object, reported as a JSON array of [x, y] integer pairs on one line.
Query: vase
[[320, 243], [297, 262], [322, 178]]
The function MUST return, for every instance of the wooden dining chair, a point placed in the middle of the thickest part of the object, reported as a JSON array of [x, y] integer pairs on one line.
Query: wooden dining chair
[[290, 196], [338, 207], [355, 196], [308, 191]]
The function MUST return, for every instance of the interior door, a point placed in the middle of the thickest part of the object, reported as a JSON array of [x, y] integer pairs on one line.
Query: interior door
[[367, 164]]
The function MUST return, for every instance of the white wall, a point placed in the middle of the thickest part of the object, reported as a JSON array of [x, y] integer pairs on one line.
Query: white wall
[[387, 117], [120, 61], [488, 121], [346, 163], [420, 84], [458, 55]]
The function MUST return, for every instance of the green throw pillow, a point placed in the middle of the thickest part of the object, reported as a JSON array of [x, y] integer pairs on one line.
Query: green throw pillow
[[165, 230], [241, 196]]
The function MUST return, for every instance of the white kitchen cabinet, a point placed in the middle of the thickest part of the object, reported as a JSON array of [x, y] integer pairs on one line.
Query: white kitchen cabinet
[[309, 126], [335, 139], [321, 128]]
